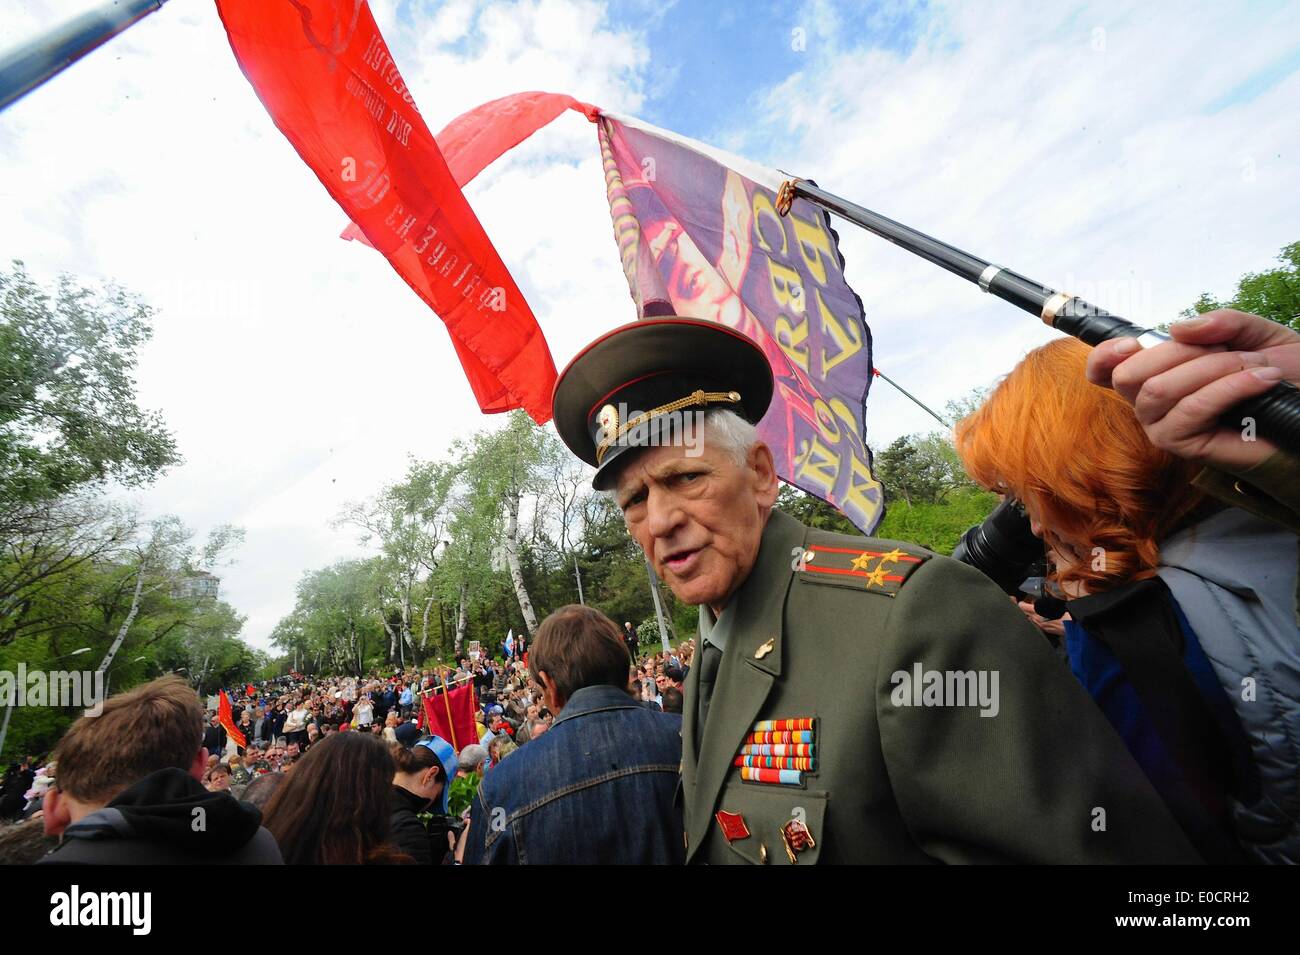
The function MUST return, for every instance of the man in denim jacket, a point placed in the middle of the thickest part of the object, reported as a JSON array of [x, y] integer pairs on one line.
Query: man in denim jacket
[[598, 787]]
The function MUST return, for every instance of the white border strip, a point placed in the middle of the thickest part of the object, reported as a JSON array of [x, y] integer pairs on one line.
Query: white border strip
[[763, 175]]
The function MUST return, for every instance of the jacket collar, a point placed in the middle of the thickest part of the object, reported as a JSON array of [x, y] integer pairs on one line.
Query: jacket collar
[[750, 665], [593, 699]]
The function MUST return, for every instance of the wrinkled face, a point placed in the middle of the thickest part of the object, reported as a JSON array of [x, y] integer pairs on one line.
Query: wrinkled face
[[698, 518]]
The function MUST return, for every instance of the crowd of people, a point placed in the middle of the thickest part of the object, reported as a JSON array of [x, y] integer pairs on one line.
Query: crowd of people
[[820, 713], [318, 752]]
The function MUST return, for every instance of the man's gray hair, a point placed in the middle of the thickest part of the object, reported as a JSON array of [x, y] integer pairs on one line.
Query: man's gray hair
[[471, 757], [730, 433]]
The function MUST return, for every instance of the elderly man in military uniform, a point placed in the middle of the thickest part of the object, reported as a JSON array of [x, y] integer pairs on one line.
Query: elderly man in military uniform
[[852, 699]]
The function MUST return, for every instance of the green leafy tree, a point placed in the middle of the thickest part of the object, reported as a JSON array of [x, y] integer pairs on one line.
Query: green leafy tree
[[68, 412], [1274, 293]]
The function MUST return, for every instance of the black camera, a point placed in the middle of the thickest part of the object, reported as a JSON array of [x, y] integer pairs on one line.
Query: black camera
[[1003, 548], [1047, 599]]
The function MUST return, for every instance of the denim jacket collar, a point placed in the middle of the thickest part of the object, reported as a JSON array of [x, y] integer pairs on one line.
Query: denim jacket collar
[[593, 699]]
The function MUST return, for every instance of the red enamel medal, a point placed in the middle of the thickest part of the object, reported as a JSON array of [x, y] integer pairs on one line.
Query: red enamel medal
[[733, 825]]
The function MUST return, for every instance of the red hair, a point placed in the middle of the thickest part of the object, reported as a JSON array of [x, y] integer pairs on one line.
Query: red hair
[[1076, 455]]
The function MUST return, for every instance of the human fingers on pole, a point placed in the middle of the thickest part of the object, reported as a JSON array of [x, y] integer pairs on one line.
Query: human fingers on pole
[[1124, 365], [1160, 392], [1194, 428], [1238, 330]]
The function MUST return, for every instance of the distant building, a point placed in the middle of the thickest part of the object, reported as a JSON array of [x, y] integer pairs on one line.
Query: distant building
[[200, 584]]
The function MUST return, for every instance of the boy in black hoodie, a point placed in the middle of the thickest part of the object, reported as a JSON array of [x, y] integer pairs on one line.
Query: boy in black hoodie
[[127, 790]]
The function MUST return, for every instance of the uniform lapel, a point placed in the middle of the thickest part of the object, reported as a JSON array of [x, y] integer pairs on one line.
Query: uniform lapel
[[749, 669], [690, 716]]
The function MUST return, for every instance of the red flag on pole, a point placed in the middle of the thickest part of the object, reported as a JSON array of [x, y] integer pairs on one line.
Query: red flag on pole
[[451, 716], [324, 73], [227, 719], [479, 137]]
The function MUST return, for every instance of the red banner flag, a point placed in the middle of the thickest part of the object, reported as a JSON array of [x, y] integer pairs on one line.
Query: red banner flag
[[227, 718], [451, 716], [700, 236], [324, 73]]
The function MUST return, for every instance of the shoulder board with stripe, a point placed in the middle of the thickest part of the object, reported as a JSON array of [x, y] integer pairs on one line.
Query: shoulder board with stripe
[[869, 568]]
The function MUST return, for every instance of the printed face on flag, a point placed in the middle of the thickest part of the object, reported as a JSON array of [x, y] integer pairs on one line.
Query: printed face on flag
[[701, 240]]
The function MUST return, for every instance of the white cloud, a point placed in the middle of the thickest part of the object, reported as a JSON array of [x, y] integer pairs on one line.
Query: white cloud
[[1073, 144], [298, 371]]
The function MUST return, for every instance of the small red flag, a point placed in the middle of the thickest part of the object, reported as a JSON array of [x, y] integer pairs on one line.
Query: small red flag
[[227, 719], [326, 76], [451, 716]]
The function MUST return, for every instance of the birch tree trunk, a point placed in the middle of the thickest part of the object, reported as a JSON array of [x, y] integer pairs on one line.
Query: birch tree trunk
[[126, 624], [462, 618], [392, 637], [424, 635], [512, 561]]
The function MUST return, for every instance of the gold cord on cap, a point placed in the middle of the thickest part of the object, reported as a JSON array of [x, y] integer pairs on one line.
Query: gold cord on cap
[[693, 399]]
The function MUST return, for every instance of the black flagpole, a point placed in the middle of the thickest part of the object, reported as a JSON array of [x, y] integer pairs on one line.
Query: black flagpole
[[1276, 412], [31, 64]]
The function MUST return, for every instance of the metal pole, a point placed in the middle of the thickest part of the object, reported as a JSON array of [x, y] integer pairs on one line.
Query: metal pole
[[880, 374], [1276, 413], [578, 574], [659, 607], [38, 60]]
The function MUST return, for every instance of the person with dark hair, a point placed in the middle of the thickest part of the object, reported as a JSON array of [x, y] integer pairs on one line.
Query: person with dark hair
[[563, 798], [407, 733], [259, 792], [214, 737], [672, 698], [17, 781], [127, 789], [333, 808], [423, 772]]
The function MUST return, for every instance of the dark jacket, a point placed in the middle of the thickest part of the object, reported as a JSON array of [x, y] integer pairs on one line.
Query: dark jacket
[[214, 738], [408, 832], [890, 777], [12, 797], [597, 788], [155, 821], [1135, 653]]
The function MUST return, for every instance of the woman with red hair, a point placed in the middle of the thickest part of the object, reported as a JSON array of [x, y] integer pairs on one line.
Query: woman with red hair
[[1179, 605]]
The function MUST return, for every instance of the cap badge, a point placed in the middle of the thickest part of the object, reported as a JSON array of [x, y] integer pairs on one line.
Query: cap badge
[[608, 420]]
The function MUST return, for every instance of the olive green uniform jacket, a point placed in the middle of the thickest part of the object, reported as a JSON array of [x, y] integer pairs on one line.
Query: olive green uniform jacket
[[1042, 778]]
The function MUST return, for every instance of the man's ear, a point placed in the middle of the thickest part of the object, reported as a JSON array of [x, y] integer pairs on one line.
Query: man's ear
[[549, 692], [763, 470], [200, 764], [55, 813]]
